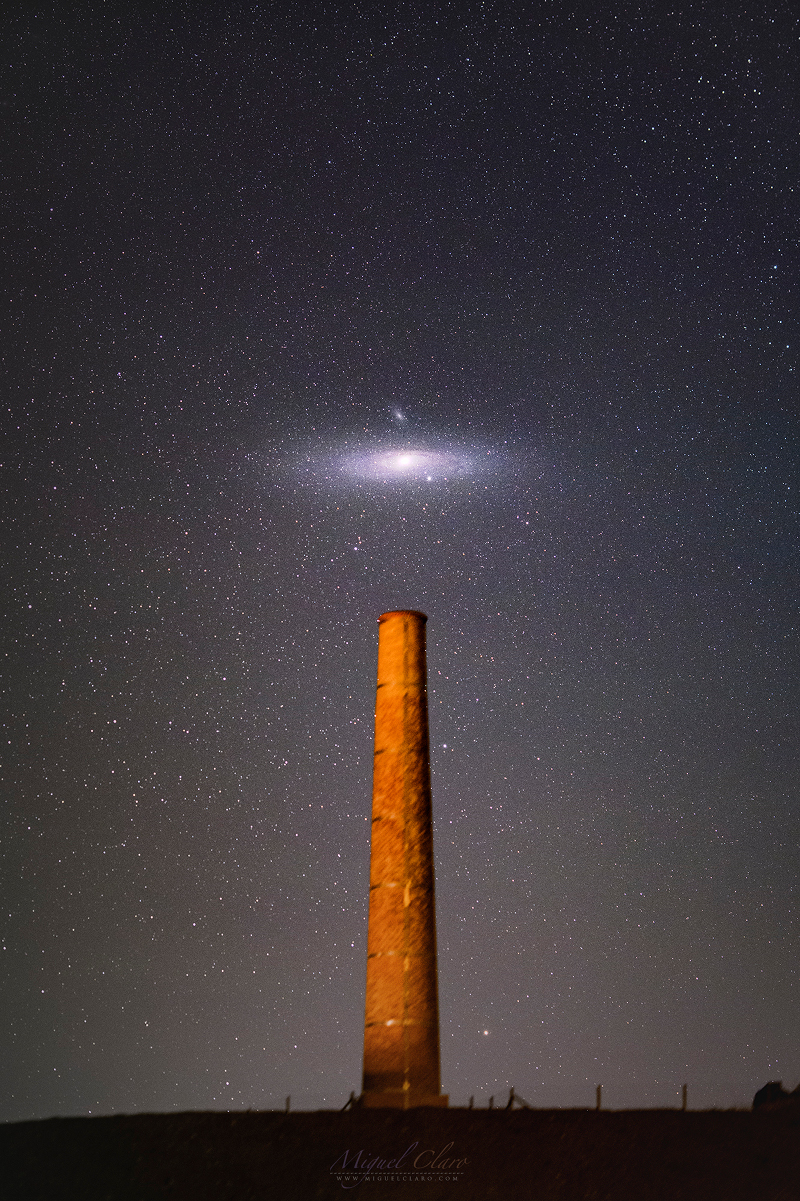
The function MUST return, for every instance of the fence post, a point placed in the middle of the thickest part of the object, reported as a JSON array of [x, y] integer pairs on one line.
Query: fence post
[[683, 1098], [599, 1096]]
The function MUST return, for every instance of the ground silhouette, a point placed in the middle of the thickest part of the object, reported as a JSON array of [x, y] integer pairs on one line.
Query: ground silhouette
[[546, 1155]]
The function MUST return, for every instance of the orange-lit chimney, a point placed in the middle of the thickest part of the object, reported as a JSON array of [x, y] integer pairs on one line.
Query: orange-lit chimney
[[401, 1029]]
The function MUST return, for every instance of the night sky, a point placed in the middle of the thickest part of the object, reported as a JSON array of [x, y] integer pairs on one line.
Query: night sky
[[487, 310]]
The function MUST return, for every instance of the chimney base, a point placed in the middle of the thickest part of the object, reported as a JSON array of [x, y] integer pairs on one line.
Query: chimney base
[[397, 1099]]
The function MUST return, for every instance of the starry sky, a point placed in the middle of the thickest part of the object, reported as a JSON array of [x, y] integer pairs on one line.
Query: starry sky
[[312, 312]]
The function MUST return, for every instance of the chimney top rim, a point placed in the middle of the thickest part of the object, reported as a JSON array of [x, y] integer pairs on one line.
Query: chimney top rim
[[402, 613]]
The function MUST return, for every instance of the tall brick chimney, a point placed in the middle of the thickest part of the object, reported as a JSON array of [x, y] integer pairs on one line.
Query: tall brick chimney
[[401, 1028]]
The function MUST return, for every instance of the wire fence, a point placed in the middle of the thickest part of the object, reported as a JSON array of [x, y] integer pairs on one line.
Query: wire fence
[[689, 1096]]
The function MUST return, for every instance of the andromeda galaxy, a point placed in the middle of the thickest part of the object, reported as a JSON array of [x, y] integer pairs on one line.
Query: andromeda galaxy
[[405, 463], [412, 463]]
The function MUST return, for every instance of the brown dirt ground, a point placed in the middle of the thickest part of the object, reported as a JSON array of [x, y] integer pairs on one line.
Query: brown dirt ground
[[545, 1155]]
